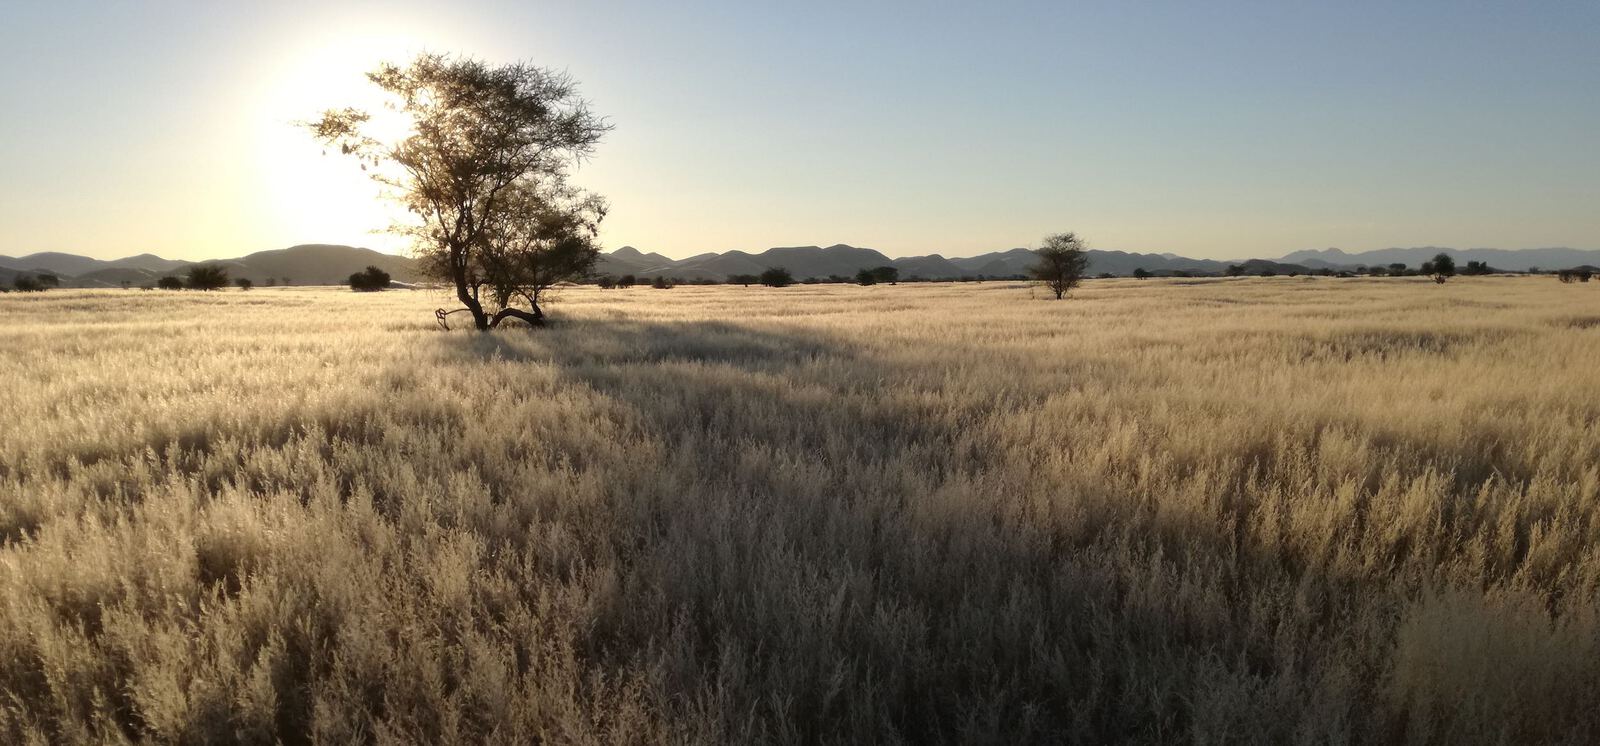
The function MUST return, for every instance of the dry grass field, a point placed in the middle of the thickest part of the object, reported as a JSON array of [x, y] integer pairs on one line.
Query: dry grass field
[[1257, 510]]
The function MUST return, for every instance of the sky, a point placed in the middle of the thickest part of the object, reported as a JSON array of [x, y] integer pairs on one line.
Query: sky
[[1209, 130]]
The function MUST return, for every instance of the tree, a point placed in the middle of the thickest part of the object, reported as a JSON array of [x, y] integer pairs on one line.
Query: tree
[[206, 277], [170, 283], [486, 147], [606, 282], [777, 277], [1476, 268], [661, 283], [1234, 270], [1141, 273], [627, 281], [244, 283], [887, 274], [28, 284], [1442, 267], [1397, 269], [49, 280], [865, 277], [369, 280], [1062, 261], [547, 239], [745, 280]]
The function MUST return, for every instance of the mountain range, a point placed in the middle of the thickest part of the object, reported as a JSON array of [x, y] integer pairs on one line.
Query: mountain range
[[328, 264], [307, 264]]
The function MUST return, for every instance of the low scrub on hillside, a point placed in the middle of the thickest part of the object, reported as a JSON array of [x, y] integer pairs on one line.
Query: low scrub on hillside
[[1252, 510]]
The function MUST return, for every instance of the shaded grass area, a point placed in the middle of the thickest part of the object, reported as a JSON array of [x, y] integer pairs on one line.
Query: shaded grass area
[[1143, 516]]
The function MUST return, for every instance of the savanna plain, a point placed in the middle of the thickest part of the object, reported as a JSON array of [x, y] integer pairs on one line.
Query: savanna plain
[[1268, 510]]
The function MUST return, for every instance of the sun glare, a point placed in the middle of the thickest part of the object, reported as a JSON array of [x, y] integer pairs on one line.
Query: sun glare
[[311, 192]]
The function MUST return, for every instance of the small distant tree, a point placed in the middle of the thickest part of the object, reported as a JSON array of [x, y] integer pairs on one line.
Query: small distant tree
[[627, 281], [777, 277], [170, 283], [1442, 267], [206, 277], [127, 284], [1062, 261], [661, 283], [28, 284], [745, 280], [606, 282], [287, 281], [886, 274], [1397, 269], [865, 276], [49, 280], [1141, 273], [244, 283], [369, 280], [270, 282], [1476, 268]]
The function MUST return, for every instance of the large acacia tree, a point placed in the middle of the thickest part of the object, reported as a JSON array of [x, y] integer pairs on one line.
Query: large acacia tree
[[482, 166]]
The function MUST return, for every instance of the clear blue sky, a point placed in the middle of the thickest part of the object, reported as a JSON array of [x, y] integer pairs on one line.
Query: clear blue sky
[[1250, 129]]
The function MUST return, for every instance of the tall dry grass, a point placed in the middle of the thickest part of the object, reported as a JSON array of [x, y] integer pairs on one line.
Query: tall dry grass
[[1284, 510]]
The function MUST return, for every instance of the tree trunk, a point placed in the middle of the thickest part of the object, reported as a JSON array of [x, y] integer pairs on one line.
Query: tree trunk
[[536, 318]]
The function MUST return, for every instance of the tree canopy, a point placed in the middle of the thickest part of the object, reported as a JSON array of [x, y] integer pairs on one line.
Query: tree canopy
[[483, 169]]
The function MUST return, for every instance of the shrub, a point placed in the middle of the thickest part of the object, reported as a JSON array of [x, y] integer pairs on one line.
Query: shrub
[[777, 277], [369, 280], [627, 281], [169, 283], [606, 282], [206, 277], [244, 283], [661, 283], [1141, 273], [745, 280], [28, 284]]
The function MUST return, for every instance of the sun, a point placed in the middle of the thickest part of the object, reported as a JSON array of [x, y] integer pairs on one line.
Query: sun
[[309, 194]]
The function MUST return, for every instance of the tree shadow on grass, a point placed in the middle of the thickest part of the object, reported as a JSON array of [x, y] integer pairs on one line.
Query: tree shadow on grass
[[823, 548]]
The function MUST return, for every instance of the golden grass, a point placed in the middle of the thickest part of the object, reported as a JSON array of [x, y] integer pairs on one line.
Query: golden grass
[[1263, 510]]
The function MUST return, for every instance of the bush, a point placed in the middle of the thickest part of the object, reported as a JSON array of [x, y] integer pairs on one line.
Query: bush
[[244, 283], [1141, 273], [745, 280], [661, 283], [777, 277], [369, 280], [28, 284], [606, 282], [170, 283], [206, 277], [627, 281]]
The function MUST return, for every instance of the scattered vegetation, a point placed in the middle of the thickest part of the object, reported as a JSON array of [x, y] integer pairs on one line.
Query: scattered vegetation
[[170, 283]]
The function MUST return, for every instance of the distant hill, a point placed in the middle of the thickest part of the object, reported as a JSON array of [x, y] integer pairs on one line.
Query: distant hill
[[308, 264], [1517, 260], [329, 264]]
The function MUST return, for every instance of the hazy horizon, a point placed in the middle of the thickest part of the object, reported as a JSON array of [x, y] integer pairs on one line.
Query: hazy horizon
[[1208, 133]]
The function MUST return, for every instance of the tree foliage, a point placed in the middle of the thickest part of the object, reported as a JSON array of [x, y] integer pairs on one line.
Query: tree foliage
[[777, 277], [206, 277], [483, 169], [1063, 259], [369, 280]]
